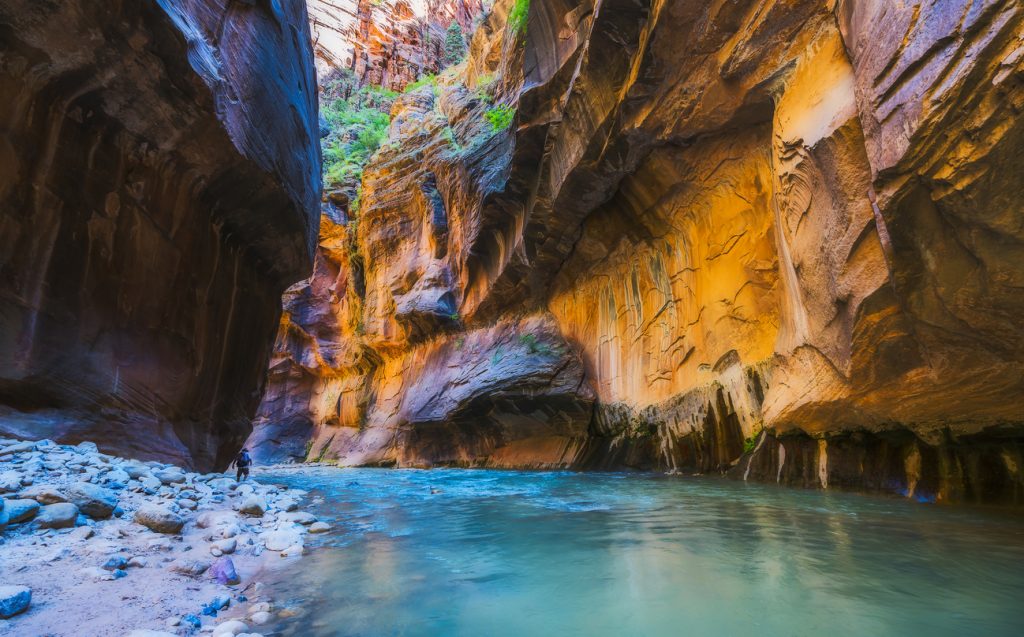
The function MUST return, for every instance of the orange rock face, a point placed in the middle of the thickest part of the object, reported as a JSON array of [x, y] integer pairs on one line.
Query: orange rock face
[[387, 43], [776, 239]]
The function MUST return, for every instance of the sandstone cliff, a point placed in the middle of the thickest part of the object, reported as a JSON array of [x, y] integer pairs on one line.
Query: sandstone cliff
[[159, 188], [387, 43], [779, 239]]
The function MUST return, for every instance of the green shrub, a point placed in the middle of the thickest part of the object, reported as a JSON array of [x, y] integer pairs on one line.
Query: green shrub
[[500, 117], [423, 80], [517, 17], [751, 442], [358, 125]]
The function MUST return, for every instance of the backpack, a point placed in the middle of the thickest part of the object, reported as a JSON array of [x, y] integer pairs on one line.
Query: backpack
[[243, 460]]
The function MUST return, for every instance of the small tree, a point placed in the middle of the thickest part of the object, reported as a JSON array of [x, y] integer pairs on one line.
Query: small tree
[[454, 44]]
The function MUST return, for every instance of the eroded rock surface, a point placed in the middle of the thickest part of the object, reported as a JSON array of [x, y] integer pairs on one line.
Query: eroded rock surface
[[796, 218], [159, 188]]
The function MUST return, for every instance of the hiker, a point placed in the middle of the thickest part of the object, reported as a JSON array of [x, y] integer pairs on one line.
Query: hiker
[[243, 461]]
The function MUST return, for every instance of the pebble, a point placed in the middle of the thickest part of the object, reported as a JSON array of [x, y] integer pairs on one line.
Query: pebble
[[191, 568], [319, 527], [115, 562]]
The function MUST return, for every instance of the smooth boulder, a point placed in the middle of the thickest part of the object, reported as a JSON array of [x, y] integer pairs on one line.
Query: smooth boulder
[[160, 519], [21, 510], [57, 516], [92, 500]]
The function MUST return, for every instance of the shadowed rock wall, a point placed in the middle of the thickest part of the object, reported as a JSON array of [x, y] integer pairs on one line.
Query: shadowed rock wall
[[159, 184]]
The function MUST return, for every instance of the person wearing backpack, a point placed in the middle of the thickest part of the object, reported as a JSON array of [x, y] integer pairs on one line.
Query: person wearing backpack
[[242, 461]]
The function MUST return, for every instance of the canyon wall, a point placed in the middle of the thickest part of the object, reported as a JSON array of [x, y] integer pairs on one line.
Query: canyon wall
[[775, 239], [387, 43], [159, 189]]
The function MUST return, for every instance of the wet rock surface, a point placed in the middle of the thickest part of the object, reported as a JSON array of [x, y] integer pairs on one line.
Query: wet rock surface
[[140, 552]]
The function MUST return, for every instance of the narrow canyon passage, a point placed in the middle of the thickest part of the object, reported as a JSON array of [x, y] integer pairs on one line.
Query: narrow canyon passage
[[526, 316]]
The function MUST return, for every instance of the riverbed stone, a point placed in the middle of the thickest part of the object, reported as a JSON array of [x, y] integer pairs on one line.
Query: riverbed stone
[[159, 518], [230, 628], [191, 568], [319, 527], [19, 511], [92, 500], [14, 599], [280, 540], [43, 494], [223, 570], [254, 505], [62, 515]]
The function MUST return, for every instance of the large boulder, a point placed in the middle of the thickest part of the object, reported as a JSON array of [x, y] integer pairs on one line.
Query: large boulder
[[57, 516], [92, 500], [160, 519], [21, 510]]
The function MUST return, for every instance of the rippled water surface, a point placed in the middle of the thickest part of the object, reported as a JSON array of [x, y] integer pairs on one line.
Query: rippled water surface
[[520, 553]]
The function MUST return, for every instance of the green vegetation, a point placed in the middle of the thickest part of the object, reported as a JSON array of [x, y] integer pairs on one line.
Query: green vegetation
[[454, 44], [500, 117], [517, 17], [358, 124], [485, 88], [751, 442], [534, 346], [449, 136], [423, 80]]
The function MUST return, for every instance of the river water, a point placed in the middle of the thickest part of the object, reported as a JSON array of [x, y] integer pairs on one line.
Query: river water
[[523, 553]]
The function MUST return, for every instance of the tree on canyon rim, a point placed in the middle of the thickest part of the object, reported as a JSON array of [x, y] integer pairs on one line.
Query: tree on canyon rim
[[454, 44]]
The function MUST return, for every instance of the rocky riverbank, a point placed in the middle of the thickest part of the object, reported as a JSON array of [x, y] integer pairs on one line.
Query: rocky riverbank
[[97, 545]]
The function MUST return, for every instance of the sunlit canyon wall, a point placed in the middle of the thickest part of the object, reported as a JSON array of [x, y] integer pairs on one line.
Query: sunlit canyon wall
[[780, 240]]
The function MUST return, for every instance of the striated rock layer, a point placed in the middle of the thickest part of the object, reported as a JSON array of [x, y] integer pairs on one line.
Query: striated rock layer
[[387, 43], [159, 183], [778, 239]]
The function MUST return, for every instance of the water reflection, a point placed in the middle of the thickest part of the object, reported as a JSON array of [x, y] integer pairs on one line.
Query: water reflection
[[515, 553]]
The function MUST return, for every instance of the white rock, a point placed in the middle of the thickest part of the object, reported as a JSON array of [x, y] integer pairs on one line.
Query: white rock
[[280, 540], [230, 628], [261, 617], [253, 505], [319, 527], [294, 550]]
